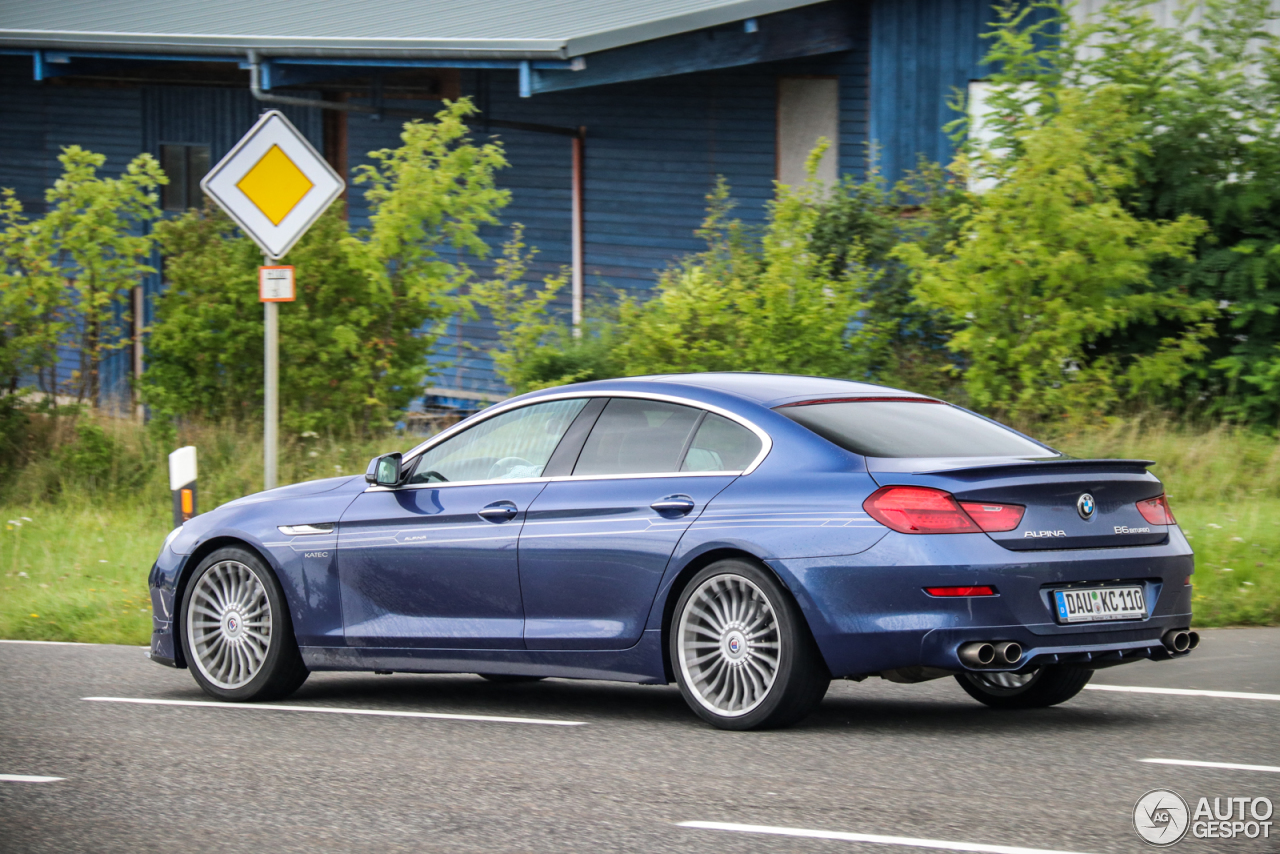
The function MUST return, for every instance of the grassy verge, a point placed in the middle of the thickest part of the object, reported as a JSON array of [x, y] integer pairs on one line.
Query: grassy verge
[[74, 564]]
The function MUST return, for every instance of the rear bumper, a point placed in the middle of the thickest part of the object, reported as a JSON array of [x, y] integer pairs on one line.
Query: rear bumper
[[869, 612]]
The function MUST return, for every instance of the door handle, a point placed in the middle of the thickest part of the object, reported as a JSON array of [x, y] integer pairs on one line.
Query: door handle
[[498, 511], [677, 505]]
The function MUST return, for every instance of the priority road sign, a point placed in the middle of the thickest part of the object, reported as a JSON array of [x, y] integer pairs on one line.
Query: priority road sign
[[273, 184]]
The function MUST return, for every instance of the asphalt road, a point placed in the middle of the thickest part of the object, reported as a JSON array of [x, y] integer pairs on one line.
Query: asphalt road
[[922, 762]]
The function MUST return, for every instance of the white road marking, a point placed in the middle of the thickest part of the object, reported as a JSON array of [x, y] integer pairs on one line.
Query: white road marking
[[27, 778], [1184, 692], [52, 643], [492, 719], [1230, 766], [873, 838]]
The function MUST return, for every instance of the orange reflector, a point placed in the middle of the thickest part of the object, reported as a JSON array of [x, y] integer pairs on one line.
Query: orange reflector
[[982, 590], [188, 502]]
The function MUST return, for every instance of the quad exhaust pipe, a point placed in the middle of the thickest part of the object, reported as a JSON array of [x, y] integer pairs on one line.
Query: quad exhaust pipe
[[990, 654], [1180, 640]]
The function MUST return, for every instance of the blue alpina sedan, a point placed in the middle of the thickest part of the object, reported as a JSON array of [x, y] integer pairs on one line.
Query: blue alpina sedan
[[747, 536]]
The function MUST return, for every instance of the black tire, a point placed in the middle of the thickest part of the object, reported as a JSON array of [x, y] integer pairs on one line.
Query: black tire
[[1049, 686], [280, 670], [509, 678], [800, 679]]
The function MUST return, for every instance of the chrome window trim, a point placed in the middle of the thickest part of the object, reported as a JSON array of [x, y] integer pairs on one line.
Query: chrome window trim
[[766, 442]]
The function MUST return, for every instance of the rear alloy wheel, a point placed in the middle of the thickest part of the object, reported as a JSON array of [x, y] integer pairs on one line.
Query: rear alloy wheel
[[1044, 686], [742, 653], [236, 634]]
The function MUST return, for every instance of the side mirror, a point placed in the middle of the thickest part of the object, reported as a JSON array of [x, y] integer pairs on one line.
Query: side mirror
[[384, 470]]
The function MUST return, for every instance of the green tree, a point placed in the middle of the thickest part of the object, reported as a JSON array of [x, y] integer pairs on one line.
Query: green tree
[[94, 232], [1048, 262], [33, 305], [1201, 95]]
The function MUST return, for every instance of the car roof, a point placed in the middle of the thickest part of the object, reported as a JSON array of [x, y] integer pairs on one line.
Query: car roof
[[775, 389], [763, 389]]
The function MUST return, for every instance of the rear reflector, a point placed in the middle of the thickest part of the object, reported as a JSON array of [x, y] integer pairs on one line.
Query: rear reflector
[[918, 510], [960, 591], [994, 517], [1156, 510]]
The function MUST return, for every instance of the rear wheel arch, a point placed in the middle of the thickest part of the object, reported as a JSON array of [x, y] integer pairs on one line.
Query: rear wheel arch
[[180, 588], [682, 579]]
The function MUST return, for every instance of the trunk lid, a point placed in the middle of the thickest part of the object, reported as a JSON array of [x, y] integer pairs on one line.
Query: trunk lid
[[1053, 492]]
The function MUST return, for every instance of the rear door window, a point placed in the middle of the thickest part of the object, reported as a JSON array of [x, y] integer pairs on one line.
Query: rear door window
[[637, 436], [886, 428], [721, 445]]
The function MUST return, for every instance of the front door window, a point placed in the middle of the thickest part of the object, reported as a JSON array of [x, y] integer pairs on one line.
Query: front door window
[[512, 445]]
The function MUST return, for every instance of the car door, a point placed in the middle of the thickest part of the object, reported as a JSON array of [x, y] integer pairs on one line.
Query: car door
[[432, 563], [595, 545]]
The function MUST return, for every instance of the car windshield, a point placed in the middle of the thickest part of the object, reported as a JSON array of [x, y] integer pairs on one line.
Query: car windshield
[[916, 428]]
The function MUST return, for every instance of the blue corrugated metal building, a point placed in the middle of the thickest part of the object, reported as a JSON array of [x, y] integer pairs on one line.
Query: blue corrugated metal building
[[669, 95]]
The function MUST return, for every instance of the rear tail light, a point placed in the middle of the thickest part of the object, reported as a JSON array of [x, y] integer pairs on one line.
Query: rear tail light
[[982, 590], [918, 510], [1156, 510], [994, 517], [922, 510]]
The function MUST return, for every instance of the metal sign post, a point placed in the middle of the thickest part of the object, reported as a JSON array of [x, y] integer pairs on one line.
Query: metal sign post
[[275, 285], [275, 185]]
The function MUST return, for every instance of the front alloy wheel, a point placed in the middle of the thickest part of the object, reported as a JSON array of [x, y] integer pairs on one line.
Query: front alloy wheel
[[743, 655], [236, 635]]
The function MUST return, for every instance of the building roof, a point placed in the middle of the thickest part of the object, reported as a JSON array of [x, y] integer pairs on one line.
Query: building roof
[[461, 29]]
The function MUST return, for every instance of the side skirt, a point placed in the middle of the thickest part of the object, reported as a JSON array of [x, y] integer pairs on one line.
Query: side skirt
[[641, 663]]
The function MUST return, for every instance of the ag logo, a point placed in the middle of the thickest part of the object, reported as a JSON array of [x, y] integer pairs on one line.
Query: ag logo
[[1085, 506], [1161, 817]]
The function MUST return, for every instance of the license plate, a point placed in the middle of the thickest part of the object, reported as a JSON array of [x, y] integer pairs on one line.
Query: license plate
[[1100, 603]]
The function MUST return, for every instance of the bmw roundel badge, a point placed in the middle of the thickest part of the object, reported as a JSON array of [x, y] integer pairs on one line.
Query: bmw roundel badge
[[1085, 506]]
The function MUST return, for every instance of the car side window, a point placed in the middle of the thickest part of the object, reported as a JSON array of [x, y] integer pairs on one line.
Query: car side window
[[515, 444], [721, 445], [637, 436]]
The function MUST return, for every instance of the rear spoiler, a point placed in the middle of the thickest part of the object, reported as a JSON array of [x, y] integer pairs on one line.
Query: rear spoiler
[[967, 467]]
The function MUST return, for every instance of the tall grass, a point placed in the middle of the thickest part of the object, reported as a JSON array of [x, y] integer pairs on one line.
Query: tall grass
[[75, 548], [79, 530]]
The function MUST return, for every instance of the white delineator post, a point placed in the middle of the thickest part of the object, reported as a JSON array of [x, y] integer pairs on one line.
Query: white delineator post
[[182, 484]]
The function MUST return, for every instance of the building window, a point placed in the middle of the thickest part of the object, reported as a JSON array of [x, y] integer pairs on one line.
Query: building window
[[185, 165], [808, 109]]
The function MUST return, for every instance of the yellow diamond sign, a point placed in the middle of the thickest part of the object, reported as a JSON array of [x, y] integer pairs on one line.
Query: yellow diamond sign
[[275, 185]]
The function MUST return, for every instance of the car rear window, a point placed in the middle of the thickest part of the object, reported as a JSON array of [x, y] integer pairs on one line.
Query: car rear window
[[886, 428]]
